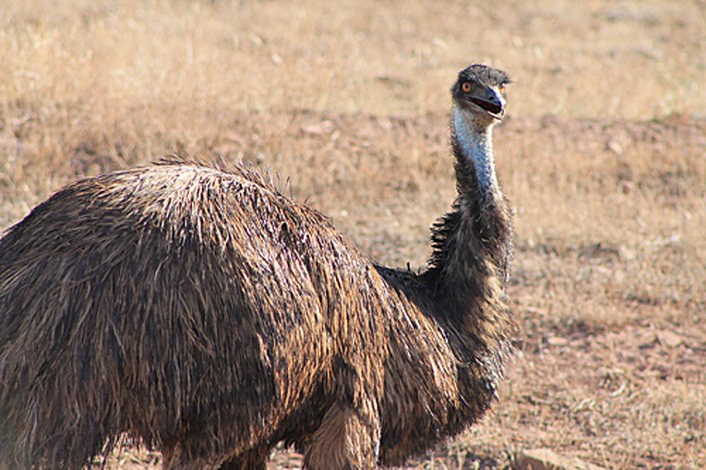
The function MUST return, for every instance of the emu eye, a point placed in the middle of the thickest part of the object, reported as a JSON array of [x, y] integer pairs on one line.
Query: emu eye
[[502, 88], [466, 86]]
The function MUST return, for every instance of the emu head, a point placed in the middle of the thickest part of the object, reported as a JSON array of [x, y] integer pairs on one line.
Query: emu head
[[479, 93]]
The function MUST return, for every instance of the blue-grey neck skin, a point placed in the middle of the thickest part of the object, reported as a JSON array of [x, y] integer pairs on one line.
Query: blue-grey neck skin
[[477, 147]]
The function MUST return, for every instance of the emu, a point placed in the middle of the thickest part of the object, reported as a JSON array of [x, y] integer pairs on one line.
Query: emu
[[205, 314]]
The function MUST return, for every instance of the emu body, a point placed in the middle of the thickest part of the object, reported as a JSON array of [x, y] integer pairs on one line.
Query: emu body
[[207, 315]]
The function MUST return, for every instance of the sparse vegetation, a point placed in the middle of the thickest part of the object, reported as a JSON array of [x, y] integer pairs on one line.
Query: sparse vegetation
[[603, 155]]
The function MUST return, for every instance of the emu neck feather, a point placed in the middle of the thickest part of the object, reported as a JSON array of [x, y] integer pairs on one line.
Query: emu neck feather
[[477, 147]]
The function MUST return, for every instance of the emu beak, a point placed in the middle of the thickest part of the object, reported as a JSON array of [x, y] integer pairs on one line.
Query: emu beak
[[492, 102]]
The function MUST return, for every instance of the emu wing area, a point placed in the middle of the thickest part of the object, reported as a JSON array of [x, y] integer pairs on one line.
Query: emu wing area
[[171, 302]]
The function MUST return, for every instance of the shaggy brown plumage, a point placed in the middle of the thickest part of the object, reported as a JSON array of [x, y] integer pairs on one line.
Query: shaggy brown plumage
[[206, 314]]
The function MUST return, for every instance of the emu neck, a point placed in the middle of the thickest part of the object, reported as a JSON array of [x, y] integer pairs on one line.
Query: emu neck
[[475, 145], [472, 245]]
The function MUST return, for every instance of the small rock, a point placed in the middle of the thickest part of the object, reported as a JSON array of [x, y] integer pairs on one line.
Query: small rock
[[646, 339], [615, 147], [670, 339], [545, 459], [627, 253], [323, 127], [557, 341]]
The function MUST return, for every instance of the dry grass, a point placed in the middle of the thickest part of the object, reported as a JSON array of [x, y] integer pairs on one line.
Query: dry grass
[[603, 155]]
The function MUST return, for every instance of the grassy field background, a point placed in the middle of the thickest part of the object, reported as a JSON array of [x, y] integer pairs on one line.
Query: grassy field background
[[603, 155]]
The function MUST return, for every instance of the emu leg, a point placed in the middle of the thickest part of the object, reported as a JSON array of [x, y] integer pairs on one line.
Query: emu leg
[[255, 459], [348, 439], [173, 458]]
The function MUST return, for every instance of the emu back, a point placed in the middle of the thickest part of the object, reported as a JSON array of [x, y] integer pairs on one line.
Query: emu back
[[177, 303]]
